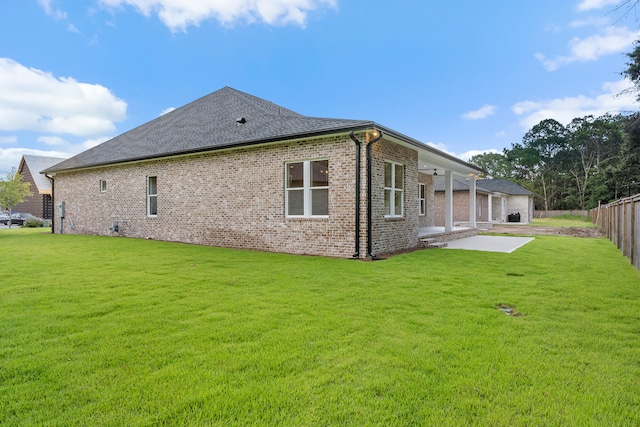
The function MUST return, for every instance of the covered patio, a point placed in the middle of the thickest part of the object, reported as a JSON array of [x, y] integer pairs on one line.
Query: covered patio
[[447, 169], [435, 165]]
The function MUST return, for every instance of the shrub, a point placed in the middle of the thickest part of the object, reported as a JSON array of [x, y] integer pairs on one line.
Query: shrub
[[32, 223]]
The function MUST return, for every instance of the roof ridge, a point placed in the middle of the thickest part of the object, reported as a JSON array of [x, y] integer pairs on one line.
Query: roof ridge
[[263, 104]]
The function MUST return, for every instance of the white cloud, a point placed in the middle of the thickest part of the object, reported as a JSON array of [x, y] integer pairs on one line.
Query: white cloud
[[51, 11], [611, 40], [59, 147], [595, 4], [167, 110], [180, 14], [90, 143], [35, 100], [73, 29], [464, 156], [52, 140], [440, 146], [615, 98], [10, 157], [482, 113], [8, 139]]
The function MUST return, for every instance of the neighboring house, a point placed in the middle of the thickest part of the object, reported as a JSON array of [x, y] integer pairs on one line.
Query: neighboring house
[[234, 170], [496, 200], [39, 203]]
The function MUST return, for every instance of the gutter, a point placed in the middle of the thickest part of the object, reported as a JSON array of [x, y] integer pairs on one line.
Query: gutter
[[210, 149], [369, 194], [356, 254], [53, 193]]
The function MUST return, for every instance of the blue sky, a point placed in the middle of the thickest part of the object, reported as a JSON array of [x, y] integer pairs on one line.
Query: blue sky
[[465, 77]]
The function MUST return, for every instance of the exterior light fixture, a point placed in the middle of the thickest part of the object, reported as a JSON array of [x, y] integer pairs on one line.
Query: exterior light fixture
[[435, 172], [374, 134]]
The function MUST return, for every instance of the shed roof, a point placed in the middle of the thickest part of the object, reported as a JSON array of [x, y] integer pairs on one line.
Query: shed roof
[[36, 164]]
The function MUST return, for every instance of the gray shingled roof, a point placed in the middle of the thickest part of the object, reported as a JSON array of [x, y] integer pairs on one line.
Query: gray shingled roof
[[500, 185], [36, 164], [503, 185], [208, 123]]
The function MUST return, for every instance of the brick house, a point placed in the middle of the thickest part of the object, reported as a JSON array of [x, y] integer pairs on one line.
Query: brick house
[[497, 200], [40, 202], [234, 170]]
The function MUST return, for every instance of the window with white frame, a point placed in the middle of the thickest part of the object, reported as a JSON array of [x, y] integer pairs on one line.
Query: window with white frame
[[307, 188], [103, 185], [393, 189], [422, 201], [152, 196]]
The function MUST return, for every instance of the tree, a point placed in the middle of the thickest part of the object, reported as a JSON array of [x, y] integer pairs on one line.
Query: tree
[[626, 172], [626, 7], [13, 190], [535, 159], [632, 72], [497, 165], [592, 143]]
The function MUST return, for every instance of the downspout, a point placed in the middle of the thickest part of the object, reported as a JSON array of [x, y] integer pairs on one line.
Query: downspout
[[53, 193], [356, 254], [369, 193]]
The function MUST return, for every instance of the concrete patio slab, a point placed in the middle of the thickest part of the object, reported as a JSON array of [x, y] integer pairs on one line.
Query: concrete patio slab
[[505, 244]]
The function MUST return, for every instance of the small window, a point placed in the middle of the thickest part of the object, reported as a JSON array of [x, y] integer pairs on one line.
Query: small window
[[307, 188], [422, 201], [393, 189], [152, 196], [103, 185]]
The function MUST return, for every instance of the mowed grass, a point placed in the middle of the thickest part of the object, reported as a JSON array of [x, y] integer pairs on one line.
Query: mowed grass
[[110, 331], [564, 221]]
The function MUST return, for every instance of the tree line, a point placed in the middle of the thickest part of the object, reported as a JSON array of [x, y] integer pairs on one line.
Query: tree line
[[591, 160]]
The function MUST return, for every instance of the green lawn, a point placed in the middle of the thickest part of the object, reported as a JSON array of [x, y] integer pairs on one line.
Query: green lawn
[[564, 221], [99, 331]]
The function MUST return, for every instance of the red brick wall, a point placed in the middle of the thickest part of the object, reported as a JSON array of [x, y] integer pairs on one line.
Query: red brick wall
[[461, 207]]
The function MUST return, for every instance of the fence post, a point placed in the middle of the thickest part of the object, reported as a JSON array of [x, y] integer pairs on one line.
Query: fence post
[[632, 234], [620, 222]]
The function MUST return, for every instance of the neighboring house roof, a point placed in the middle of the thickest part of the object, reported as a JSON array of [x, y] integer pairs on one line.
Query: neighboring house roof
[[36, 164], [223, 119], [503, 185], [500, 185]]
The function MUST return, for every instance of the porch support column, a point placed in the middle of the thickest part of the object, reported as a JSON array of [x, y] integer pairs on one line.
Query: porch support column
[[472, 202], [448, 201], [489, 209]]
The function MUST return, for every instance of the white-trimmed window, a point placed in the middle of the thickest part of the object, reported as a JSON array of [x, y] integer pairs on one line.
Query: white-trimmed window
[[103, 185], [393, 189], [422, 200], [152, 195], [307, 189]]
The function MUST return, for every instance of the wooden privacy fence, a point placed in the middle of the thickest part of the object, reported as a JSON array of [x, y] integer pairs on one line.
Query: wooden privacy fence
[[620, 222], [553, 214]]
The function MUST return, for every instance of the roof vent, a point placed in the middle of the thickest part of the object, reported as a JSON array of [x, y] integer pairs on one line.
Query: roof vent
[[241, 121]]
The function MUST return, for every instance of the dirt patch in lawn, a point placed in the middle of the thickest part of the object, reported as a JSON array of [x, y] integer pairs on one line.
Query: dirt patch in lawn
[[540, 230]]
